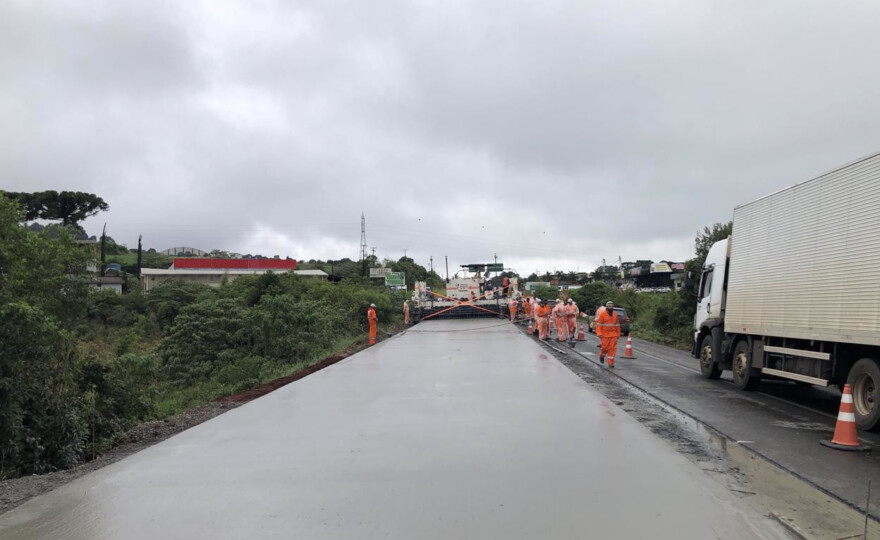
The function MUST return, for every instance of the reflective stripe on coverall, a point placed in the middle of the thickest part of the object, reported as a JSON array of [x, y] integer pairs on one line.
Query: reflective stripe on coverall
[[561, 323], [372, 319], [608, 330]]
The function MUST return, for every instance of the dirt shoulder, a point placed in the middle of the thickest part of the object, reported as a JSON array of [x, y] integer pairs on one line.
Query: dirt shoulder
[[16, 491]]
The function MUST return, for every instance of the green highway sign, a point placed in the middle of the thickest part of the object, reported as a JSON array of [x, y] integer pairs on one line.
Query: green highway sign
[[496, 267], [395, 279]]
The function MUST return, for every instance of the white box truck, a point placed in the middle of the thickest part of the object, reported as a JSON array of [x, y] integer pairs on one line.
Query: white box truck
[[794, 293]]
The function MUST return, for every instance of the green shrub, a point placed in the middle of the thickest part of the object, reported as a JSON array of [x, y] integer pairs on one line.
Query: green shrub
[[200, 333]]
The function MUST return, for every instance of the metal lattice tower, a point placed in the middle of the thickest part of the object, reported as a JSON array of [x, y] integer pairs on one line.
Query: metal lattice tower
[[363, 245]]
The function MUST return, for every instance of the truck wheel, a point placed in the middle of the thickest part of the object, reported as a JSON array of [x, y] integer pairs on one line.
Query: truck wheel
[[744, 376], [864, 379], [708, 367]]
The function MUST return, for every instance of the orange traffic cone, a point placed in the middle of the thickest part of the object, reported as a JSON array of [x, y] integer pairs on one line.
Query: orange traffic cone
[[531, 329], [628, 352], [581, 332], [845, 437]]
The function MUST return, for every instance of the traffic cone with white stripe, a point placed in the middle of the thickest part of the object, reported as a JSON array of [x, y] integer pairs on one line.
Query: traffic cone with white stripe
[[531, 329], [581, 332], [845, 436], [628, 352]]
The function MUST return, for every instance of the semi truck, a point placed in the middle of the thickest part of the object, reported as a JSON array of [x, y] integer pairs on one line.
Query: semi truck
[[794, 292]]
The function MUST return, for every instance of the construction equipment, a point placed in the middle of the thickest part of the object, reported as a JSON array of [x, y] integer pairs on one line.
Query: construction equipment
[[466, 297]]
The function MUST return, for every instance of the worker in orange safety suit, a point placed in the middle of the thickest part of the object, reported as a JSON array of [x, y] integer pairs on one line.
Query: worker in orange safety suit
[[527, 308], [406, 313], [571, 313], [542, 316], [559, 320], [608, 330], [373, 320], [513, 307], [505, 282]]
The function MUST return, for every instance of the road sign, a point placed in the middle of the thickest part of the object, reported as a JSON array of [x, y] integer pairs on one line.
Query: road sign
[[379, 272], [496, 267], [395, 279]]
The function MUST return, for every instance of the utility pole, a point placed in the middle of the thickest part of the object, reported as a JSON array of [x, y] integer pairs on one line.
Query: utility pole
[[432, 263], [496, 258], [404, 252], [363, 245], [447, 268]]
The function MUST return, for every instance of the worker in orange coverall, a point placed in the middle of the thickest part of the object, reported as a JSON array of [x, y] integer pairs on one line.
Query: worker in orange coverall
[[373, 320], [527, 308], [406, 313], [608, 330], [505, 282], [513, 306], [542, 315], [559, 321], [571, 313]]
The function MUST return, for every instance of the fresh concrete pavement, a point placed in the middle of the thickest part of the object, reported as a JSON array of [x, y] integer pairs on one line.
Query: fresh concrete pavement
[[455, 429]]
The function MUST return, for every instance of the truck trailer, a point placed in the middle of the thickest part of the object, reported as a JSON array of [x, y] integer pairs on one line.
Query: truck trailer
[[794, 292]]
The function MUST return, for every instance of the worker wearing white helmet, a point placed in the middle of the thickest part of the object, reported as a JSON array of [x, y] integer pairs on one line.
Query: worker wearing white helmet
[[571, 313], [559, 320], [373, 320]]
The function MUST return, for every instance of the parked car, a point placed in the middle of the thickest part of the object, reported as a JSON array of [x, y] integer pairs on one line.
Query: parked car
[[622, 318]]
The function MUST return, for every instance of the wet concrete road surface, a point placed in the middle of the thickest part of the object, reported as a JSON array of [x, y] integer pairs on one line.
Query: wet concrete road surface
[[456, 429]]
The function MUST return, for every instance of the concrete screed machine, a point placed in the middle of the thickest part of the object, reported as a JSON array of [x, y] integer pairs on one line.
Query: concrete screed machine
[[466, 297]]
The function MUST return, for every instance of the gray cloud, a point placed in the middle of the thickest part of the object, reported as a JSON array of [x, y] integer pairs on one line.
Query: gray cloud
[[553, 134]]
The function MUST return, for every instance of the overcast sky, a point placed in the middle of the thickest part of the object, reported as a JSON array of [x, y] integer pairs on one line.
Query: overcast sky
[[553, 134]]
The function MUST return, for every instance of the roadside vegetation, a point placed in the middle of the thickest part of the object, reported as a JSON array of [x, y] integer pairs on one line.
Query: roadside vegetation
[[78, 368]]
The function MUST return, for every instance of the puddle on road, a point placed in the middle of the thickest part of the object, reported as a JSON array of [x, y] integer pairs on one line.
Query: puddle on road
[[804, 510]]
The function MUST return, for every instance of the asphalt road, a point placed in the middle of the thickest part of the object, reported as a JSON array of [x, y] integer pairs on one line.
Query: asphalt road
[[780, 421], [455, 429]]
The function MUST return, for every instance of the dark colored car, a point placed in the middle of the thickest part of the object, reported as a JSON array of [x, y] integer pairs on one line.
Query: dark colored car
[[622, 318]]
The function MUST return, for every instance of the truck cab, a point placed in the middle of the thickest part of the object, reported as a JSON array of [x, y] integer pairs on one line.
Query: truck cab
[[710, 295]]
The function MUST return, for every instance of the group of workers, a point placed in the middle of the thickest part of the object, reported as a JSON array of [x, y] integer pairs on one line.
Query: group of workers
[[563, 313]]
